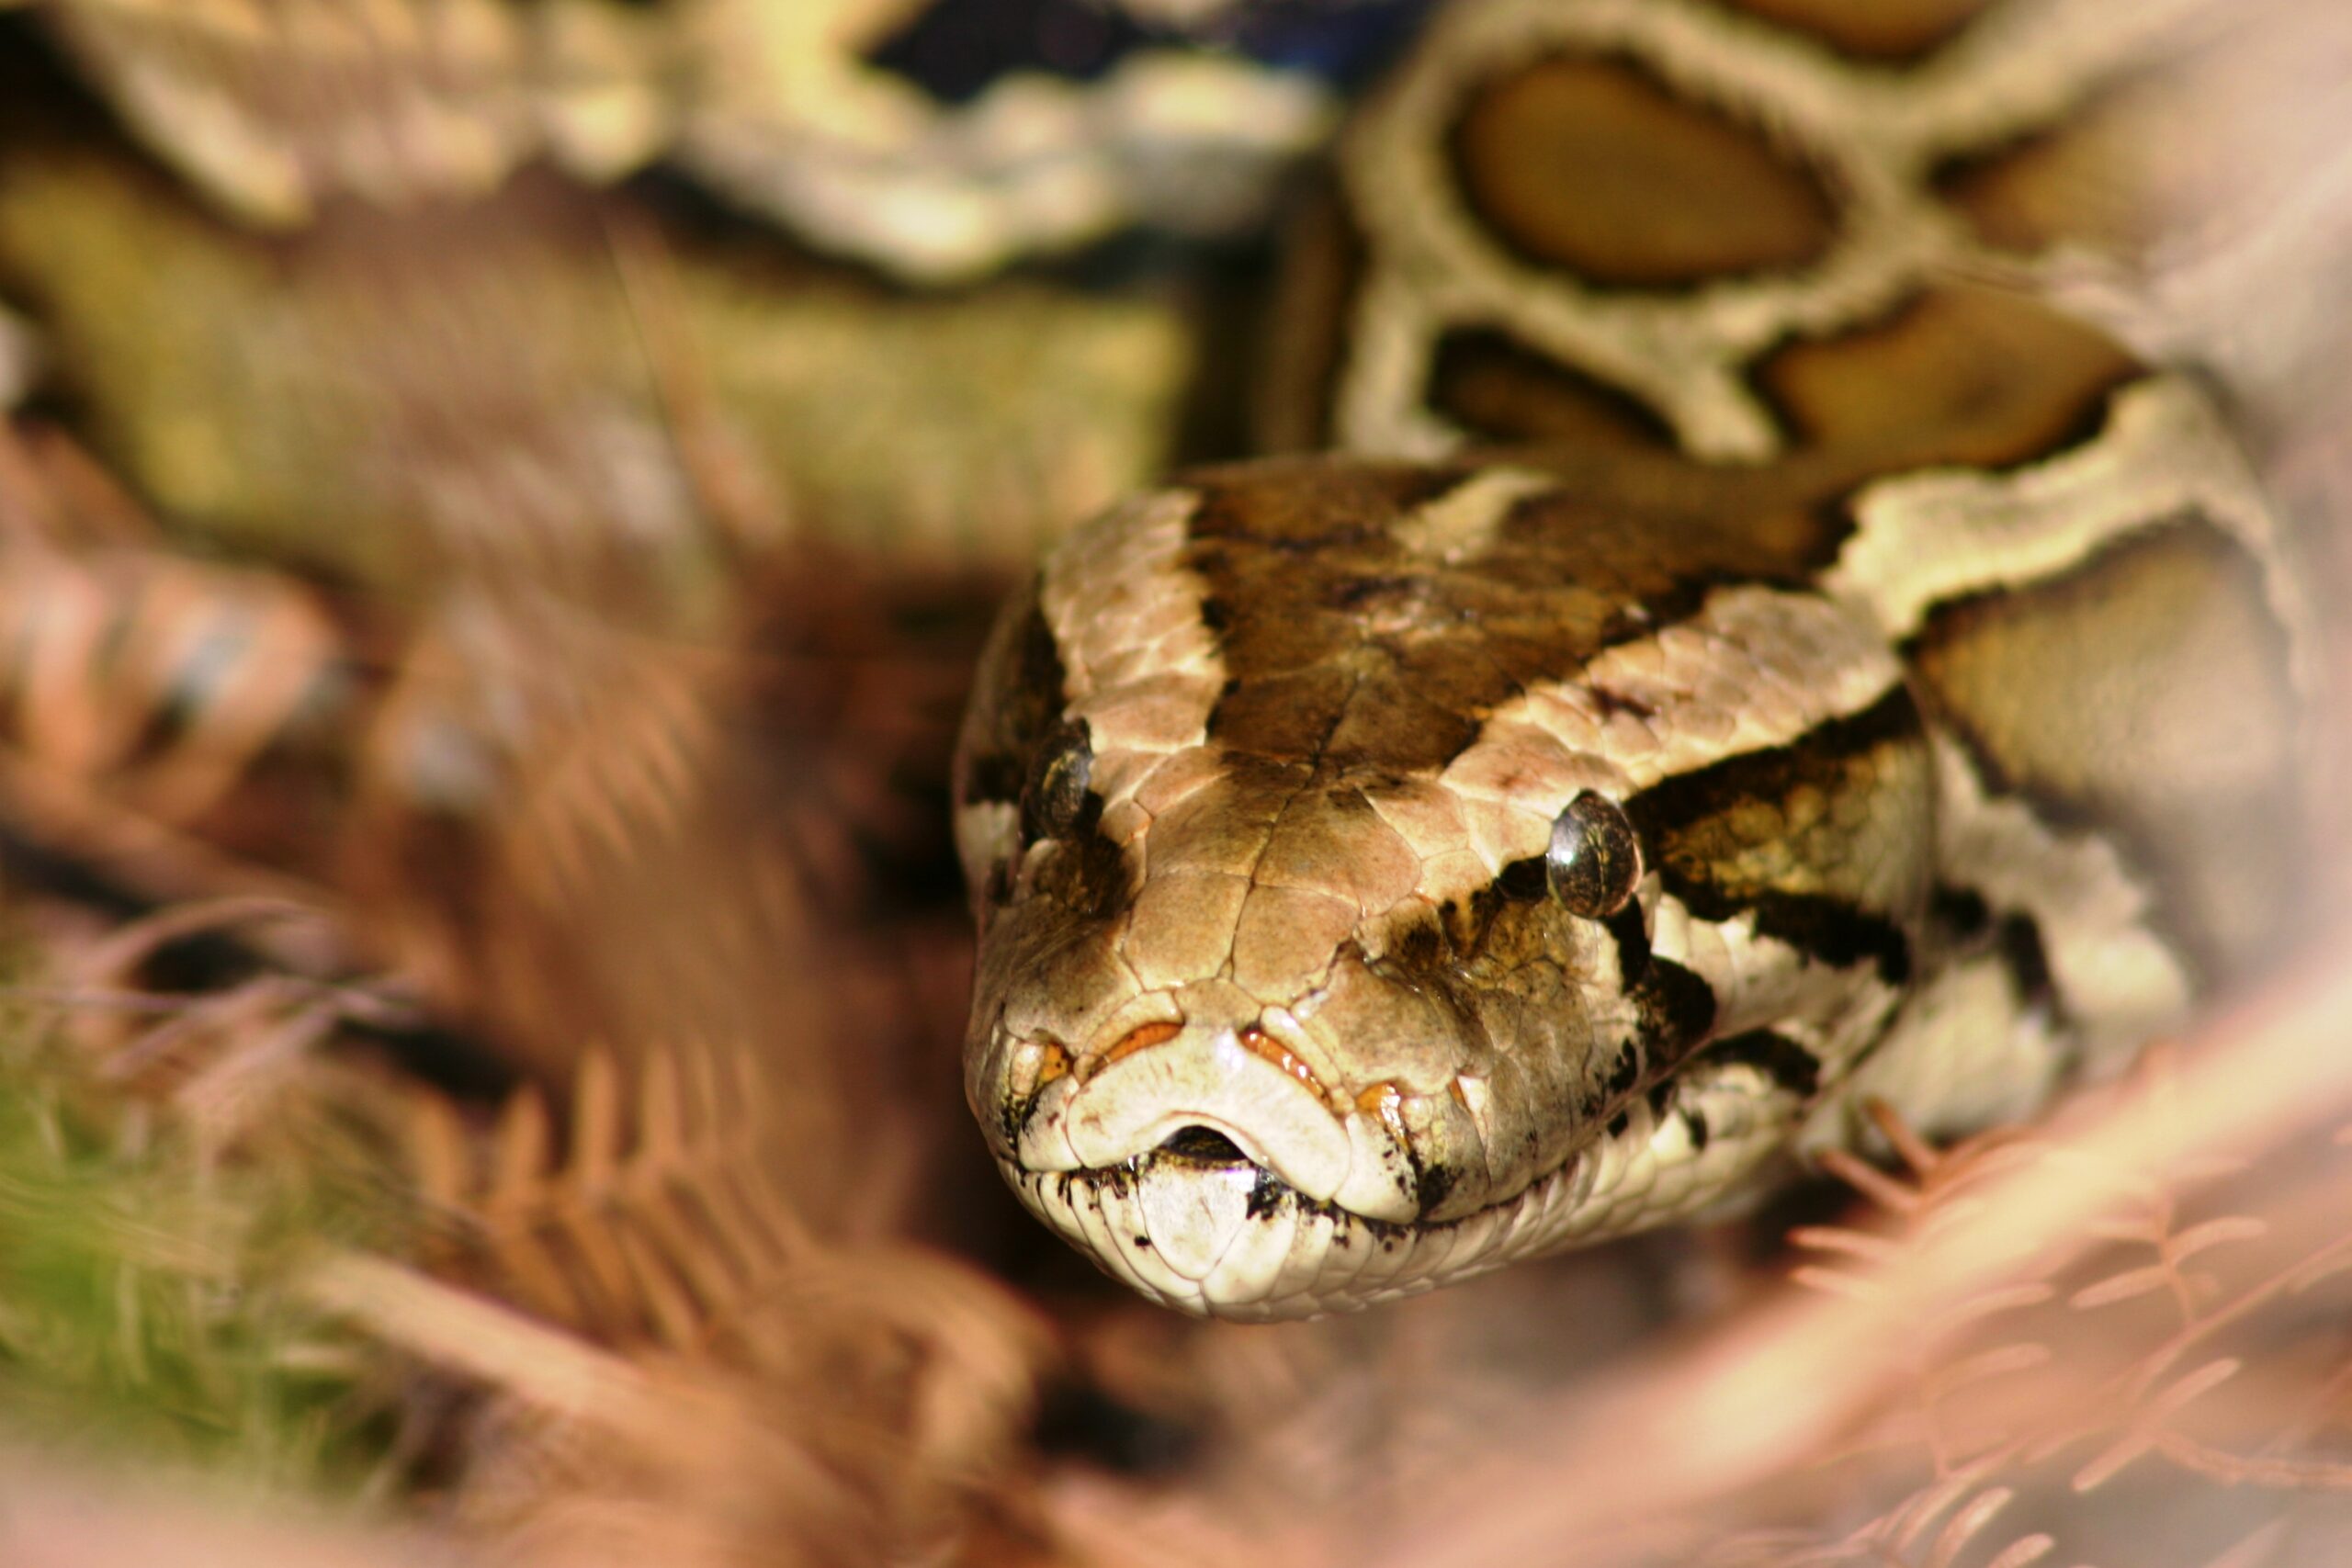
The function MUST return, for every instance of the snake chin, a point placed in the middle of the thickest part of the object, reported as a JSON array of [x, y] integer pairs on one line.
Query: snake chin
[[1195, 1224], [1216, 1235]]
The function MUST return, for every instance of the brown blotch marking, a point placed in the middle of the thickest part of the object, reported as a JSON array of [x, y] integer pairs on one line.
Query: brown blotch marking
[[1306, 502], [1298, 713], [2116, 174], [1960, 374], [1321, 675], [1883, 31], [1593, 166], [1770, 524], [2161, 711], [1661, 535], [1306, 326], [1499, 389]]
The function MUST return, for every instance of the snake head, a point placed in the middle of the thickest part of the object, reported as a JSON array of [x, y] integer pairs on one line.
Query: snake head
[[1358, 909]]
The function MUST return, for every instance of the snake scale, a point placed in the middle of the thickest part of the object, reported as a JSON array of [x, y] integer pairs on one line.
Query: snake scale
[[1753, 641]]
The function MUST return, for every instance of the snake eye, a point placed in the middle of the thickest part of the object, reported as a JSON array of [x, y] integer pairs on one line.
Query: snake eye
[[1595, 862], [1055, 796]]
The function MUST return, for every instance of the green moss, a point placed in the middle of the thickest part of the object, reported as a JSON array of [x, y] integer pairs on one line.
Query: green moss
[[142, 1302]]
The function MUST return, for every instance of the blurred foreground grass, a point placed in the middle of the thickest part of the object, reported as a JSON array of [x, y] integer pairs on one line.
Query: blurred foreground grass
[[143, 1312]]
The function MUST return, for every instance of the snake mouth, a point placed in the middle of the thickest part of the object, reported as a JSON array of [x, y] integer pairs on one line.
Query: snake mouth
[[1218, 1103], [1197, 1226], [1205, 1145], [1198, 1220], [1202, 1168]]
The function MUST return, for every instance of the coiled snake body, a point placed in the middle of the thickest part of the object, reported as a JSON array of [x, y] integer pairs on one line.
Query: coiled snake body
[[1766, 647]]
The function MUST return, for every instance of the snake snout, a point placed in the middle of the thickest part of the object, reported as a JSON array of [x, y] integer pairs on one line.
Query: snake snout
[[1216, 1097], [1187, 1082]]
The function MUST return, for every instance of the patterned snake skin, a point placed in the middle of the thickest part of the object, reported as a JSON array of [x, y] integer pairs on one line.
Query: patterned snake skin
[[1772, 641]]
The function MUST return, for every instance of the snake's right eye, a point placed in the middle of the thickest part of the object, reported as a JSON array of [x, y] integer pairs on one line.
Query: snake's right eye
[[1053, 797], [1595, 862]]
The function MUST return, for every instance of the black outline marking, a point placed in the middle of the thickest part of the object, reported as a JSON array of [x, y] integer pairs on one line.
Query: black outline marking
[[1621, 411], [1677, 1008], [1790, 1067], [1834, 929], [1629, 929], [2017, 939]]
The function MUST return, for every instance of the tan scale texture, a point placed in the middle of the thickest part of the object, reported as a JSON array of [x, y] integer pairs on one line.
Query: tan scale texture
[[1443, 253]]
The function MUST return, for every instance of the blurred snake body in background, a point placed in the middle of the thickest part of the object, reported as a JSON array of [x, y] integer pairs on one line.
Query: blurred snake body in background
[[1761, 633]]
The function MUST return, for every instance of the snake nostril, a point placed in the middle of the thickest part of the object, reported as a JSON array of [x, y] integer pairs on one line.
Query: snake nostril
[[1204, 1144]]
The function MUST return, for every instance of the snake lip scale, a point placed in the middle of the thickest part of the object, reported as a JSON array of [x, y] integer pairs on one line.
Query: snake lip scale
[[1219, 1232]]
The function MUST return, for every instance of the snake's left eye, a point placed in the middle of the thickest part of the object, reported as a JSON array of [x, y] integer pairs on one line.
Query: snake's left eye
[[1595, 861], [1055, 796]]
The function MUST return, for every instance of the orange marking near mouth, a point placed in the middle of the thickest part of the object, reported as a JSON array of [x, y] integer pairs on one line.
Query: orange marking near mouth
[[1141, 1038], [1266, 1048]]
